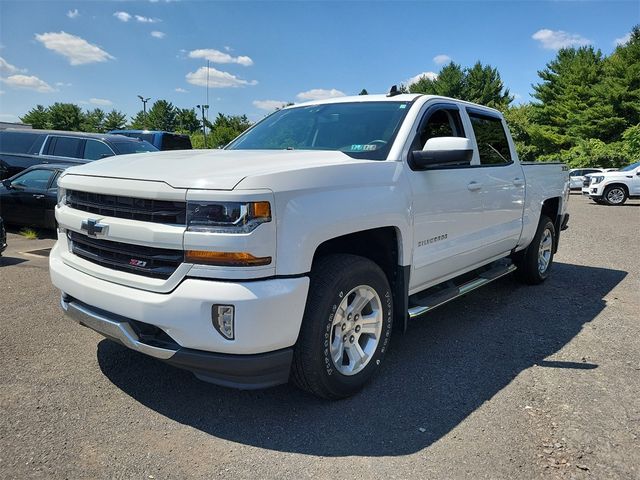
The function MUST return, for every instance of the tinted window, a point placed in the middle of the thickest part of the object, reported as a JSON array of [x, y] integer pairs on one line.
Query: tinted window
[[441, 123], [95, 150], [21, 142], [123, 148], [589, 170], [34, 179], [175, 142], [359, 129], [575, 173], [67, 147], [491, 138]]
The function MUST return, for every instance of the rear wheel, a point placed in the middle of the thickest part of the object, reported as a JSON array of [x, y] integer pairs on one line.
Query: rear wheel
[[346, 327], [535, 262], [615, 195]]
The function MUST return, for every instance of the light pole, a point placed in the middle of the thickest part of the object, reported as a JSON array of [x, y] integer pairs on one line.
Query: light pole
[[144, 108], [204, 128]]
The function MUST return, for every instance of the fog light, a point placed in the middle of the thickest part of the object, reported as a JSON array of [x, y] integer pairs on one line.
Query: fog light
[[222, 318]]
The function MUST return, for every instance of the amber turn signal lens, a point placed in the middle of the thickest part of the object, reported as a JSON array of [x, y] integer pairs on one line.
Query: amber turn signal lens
[[261, 210], [225, 259]]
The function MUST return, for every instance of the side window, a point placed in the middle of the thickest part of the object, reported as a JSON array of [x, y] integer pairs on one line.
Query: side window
[[491, 138], [576, 173], [20, 142], [439, 123], [95, 150], [67, 147], [34, 179]]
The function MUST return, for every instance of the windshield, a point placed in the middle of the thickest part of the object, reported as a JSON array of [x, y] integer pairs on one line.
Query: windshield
[[630, 167], [359, 129], [123, 148]]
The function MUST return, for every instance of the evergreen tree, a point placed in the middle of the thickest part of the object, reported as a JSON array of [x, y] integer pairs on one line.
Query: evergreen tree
[[115, 120], [483, 85], [162, 116], [37, 117], [363, 92], [138, 122], [65, 116], [93, 121], [187, 120]]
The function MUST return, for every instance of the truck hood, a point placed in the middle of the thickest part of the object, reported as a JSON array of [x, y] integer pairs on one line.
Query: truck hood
[[207, 169]]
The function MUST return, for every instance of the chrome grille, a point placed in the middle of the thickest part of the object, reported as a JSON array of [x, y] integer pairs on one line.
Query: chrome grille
[[133, 208], [125, 257]]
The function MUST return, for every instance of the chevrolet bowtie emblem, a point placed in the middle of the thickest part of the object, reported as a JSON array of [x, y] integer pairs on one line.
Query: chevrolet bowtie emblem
[[93, 228]]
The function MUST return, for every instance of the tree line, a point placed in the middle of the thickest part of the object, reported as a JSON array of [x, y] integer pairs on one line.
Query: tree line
[[162, 115], [585, 109]]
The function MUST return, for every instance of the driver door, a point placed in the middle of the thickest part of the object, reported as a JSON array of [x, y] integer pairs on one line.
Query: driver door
[[24, 202]]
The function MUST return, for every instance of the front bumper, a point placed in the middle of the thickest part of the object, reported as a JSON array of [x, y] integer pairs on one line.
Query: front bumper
[[268, 315], [240, 371]]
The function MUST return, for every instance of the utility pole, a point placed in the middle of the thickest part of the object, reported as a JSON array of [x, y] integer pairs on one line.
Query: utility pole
[[204, 131], [144, 108]]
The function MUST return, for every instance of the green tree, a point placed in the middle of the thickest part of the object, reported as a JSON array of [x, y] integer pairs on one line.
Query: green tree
[[187, 120], [115, 120], [449, 83], [162, 116], [65, 116], [363, 92], [138, 122], [225, 128], [93, 121], [37, 117], [519, 120]]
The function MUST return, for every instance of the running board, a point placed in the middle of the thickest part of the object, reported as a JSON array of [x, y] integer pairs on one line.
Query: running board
[[426, 303]]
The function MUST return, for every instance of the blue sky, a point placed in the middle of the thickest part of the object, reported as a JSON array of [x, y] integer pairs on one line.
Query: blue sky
[[104, 53]]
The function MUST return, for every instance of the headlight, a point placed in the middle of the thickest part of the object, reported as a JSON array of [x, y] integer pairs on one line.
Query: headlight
[[226, 217], [62, 193], [595, 180]]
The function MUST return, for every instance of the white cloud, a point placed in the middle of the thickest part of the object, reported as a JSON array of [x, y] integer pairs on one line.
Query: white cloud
[[415, 79], [441, 59], [62, 84], [216, 56], [141, 19], [320, 94], [182, 90], [217, 79], [122, 16], [77, 50], [157, 34], [73, 13], [622, 40], [103, 102], [28, 82], [8, 69], [269, 105], [557, 39]]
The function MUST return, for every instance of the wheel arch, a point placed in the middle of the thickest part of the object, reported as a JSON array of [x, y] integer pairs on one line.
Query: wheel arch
[[383, 246], [551, 207]]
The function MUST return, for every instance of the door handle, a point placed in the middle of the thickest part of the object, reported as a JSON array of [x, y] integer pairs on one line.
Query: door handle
[[474, 186], [518, 182], [38, 196]]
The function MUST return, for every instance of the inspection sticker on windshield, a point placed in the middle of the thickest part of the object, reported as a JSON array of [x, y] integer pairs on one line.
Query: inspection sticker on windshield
[[363, 148]]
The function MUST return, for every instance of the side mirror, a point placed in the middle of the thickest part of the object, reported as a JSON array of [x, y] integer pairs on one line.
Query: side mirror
[[7, 183], [443, 152]]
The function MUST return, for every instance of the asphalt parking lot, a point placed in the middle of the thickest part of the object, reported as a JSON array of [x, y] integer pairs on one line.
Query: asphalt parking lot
[[508, 382]]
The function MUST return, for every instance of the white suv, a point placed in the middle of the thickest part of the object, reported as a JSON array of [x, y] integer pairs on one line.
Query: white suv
[[613, 188]]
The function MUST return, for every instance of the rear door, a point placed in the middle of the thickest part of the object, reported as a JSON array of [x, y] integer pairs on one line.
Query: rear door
[[502, 182]]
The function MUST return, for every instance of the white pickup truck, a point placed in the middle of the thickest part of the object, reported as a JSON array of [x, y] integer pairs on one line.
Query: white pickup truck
[[293, 252]]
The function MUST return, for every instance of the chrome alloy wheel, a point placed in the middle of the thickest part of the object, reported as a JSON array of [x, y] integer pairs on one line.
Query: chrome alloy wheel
[[544, 251], [615, 195], [356, 330]]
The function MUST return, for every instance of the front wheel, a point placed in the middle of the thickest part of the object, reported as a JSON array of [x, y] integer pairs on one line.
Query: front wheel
[[346, 326], [615, 195], [535, 262]]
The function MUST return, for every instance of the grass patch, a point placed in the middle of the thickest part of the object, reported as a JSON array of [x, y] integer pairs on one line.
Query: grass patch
[[29, 233]]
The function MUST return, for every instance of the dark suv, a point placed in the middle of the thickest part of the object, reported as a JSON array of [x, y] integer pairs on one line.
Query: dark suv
[[20, 149]]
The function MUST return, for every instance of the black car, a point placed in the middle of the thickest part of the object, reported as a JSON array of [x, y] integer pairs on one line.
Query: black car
[[30, 197], [3, 237], [21, 148]]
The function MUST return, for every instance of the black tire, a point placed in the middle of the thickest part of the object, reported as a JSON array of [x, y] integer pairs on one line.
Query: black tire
[[333, 277], [614, 192], [528, 270]]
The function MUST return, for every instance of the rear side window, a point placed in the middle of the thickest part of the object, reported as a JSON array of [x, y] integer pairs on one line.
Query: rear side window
[[34, 179], [175, 142], [67, 147], [21, 142], [588, 171], [95, 150], [491, 138]]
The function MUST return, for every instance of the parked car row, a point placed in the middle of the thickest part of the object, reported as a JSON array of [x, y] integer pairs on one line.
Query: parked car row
[[32, 160], [613, 187]]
